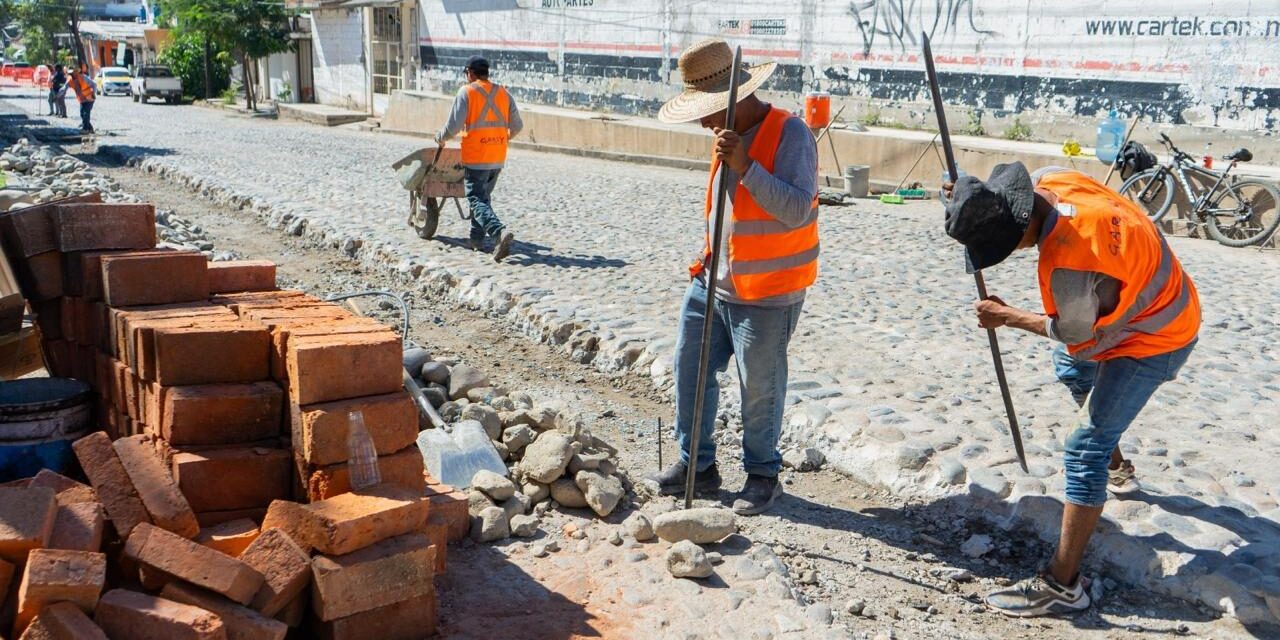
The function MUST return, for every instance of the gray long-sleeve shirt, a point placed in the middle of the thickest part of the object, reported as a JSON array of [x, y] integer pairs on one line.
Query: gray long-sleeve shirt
[[458, 120], [786, 194], [1081, 297]]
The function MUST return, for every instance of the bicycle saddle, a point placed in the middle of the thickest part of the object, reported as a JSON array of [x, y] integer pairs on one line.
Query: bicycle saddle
[[1239, 155]]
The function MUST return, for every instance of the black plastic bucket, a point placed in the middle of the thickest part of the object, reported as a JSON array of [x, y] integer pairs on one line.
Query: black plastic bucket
[[39, 419]]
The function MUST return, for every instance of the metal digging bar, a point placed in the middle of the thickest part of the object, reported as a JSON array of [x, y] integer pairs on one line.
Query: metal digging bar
[[977, 275], [700, 392]]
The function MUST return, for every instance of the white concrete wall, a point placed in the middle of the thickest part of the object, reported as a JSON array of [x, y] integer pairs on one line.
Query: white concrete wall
[[276, 70], [338, 51], [1212, 63]]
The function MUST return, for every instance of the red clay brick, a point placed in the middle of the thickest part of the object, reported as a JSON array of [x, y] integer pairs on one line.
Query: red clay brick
[[142, 353], [387, 572], [138, 616], [27, 515], [410, 619], [48, 317], [451, 507], [240, 622], [296, 611], [285, 329], [392, 421], [221, 413], [235, 276], [351, 521], [437, 530], [231, 538], [29, 230], [116, 491], [183, 559], [129, 280], [78, 527], [129, 325], [88, 227], [63, 621], [233, 478], [320, 368], [82, 272], [295, 520], [6, 578], [215, 518], [160, 494], [285, 567], [402, 469], [68, 491], [41, 276], [199, 355], [57, 575]]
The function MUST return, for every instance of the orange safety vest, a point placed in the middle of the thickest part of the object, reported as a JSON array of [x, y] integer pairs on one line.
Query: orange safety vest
[[488, 116], [83, 88], [766, 257], [1098, 230]]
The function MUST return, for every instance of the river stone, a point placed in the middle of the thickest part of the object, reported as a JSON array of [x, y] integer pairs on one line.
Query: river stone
[[464, 378], [436, 394], [414, 358], [602, 492], [536, 491], [489, 525], [567, 493], [545, 460], [639, 526], [518, 437], [523, 526], [495, 486], [687, 560], [487, 417], [435, 372], [516, 505], [477, 502], [701, 526], [806, 459]]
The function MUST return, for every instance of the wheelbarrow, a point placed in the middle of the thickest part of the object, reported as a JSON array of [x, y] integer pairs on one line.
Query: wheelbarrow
[[431, 175]]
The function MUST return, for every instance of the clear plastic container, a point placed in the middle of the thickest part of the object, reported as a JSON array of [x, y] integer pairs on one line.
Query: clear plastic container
[[454, 457], [362, 457], [1110, 137]]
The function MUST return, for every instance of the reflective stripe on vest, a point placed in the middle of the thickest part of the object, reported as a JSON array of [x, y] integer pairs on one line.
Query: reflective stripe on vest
[[1158, 310], [766, 258], [488, 116]]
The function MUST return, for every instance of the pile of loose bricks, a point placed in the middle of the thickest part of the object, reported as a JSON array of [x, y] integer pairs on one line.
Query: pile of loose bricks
[[223, 523]]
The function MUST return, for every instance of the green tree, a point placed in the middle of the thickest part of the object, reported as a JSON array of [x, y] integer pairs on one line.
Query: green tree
[[250, 29], [42, 22], [185, 57]]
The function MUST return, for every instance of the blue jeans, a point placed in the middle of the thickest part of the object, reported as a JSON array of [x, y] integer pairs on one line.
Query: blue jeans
[[479, 184], [758, 338], [86, 109], [1116, 391]]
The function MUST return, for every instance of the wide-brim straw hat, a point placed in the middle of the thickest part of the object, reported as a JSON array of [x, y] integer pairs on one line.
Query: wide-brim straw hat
[[705, 69]]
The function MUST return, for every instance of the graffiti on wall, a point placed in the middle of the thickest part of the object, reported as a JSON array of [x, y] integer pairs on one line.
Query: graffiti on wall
[[898, 23]]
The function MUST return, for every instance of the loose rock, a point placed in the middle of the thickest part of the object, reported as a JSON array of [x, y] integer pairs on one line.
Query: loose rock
[[806, 459], [489, 525], [487, 417], [518, 437], [523, 526], [701, 526], [639, 526], [545, 460], [464, 378], [602, 492], [687, 560], [567, 493], [497, 487]]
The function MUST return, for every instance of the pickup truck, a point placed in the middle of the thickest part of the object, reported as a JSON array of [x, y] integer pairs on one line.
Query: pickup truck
[[156, 81]]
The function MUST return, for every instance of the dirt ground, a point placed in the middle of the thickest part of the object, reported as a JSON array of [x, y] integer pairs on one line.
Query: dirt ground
[[843, 541]]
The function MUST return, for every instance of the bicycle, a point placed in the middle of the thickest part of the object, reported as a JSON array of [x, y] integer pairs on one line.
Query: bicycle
[[1235, 212]]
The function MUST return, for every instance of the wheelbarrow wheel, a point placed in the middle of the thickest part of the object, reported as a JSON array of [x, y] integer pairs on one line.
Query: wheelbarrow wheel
[[426, 217]]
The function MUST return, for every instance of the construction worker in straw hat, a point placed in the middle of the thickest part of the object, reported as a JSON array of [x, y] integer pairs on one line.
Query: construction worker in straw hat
[[487, 117], [769, 258], [1127, 317]]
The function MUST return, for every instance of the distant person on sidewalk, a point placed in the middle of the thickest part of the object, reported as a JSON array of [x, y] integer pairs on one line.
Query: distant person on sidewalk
[[769, 257], [487, 117], [1117, 299], [58, 92], [82, 84]]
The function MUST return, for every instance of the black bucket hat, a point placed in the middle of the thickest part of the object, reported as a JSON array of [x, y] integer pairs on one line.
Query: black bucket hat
[[989, 218]]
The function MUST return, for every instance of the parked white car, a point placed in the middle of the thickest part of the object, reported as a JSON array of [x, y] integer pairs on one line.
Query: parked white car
[[156, 81], [111, 80]]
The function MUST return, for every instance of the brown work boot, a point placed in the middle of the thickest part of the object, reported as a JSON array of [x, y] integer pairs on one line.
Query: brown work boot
[[503, 247]]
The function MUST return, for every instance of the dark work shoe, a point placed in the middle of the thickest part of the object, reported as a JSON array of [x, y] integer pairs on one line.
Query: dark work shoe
[[476, 244], [757, 495], [503, 247], [671, 480]]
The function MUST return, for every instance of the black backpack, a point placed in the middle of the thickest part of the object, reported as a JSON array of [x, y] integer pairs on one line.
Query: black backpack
[[1134, 158]]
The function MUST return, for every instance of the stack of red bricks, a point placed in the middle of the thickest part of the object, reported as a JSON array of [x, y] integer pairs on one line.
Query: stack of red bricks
[[197, 367]]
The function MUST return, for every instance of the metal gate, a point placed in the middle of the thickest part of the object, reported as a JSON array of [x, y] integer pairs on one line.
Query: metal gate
[[386, 45]]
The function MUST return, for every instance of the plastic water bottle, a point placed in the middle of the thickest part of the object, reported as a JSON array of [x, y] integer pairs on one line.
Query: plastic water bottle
[[1110, 137], [362, 458]]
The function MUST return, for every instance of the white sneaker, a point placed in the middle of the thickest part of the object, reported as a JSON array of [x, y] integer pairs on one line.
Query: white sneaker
[[1040, 596], [1123, 480]]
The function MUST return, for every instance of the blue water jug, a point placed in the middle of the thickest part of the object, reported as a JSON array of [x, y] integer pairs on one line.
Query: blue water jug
[[1110, 137]]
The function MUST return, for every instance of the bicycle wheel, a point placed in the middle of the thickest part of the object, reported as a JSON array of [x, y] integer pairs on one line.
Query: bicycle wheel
[[1152, 190], [1244, 213]]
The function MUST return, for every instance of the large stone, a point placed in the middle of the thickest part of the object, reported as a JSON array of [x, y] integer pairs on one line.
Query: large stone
[[536, 491], [495, 486], [545, 460], [518, 437], [490, 525], [639, 526], [523, 526], [477, 502], [977, 545], [487, 417], [435, 373], [516, 505], [602, 492], [414, 358], [567, 493], [701, 526], [806, 459], [687, 560], [464, 378]]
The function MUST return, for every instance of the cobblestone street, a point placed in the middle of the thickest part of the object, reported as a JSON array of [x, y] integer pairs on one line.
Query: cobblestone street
[[890, 376]]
